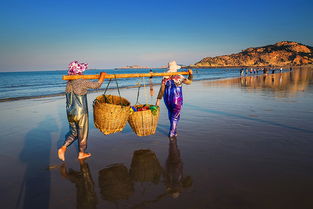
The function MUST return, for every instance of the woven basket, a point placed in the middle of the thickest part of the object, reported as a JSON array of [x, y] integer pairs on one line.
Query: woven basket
[[110, 113], [144, 123], [145, 167]]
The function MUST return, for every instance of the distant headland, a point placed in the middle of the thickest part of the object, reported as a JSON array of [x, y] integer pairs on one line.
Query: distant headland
[[284, 53], [132, 67], [139, 67]]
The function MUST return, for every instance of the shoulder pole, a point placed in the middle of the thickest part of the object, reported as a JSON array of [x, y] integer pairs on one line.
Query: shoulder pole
[[130, 75]]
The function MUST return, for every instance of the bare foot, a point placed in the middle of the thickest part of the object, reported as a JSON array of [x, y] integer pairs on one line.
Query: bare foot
[[61, 153], [83, 155]]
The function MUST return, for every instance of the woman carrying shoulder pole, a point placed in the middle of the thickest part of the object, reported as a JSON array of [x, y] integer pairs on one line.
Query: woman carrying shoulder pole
[[171, 91], [77, 109]]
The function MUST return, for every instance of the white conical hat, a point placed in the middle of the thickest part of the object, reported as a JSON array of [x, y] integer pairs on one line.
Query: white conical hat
[[172, 66]]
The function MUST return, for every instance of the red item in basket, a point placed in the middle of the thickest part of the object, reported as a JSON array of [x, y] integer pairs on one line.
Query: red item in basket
[[143, 108]]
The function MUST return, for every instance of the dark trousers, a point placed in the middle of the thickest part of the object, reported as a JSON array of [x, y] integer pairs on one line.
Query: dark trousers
[[79, 128]]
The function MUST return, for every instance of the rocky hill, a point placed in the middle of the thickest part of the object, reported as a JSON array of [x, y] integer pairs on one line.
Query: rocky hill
[[283, 53]]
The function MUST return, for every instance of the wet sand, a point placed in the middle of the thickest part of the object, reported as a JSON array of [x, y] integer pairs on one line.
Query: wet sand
[[242, 143]]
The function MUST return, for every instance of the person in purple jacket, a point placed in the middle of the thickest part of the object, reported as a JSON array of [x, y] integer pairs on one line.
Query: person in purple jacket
[[171, 91]]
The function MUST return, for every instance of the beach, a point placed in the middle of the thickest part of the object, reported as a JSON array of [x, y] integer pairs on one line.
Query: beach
[[242, 143]]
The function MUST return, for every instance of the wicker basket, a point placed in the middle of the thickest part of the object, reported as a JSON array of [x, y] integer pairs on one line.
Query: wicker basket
[[145, 167], [144, 123], [110, 113]]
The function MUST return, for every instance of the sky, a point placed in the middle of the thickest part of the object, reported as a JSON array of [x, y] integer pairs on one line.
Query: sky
[[48, 35]]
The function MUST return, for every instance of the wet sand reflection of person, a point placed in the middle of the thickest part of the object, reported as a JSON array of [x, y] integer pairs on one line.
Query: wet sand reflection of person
[[173, 178], [175, 181], [85, 192]]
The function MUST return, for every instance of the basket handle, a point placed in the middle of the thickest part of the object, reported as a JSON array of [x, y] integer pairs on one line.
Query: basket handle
[[105, 91], [138, 95], [118, 90], [95, 101], [144, 89]]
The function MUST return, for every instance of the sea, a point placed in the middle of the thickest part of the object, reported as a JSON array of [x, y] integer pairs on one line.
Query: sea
[[25, 85]]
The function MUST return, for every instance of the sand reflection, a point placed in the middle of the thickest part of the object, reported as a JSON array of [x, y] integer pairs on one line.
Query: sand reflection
[[115, 183], [282, 84], [145, 167], [146, 182], [175, 181], [84, 184]]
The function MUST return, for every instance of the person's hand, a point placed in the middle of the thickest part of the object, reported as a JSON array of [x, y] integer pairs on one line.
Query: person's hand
[[190, 77], [157, 102], [102, 75]]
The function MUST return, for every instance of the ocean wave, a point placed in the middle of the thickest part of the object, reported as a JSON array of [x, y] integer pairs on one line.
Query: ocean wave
[[28, 85], [7, 99]]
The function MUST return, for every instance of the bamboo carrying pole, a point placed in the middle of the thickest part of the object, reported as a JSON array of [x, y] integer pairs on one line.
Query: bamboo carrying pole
[[130, 75]]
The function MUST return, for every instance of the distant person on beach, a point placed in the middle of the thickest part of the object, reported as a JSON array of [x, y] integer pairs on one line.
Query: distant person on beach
[[171, 91], [151, 72], [77, 109], [241, 71], [151, 85]]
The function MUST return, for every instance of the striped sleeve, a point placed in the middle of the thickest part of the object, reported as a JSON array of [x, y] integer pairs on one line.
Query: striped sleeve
[[91, 84]]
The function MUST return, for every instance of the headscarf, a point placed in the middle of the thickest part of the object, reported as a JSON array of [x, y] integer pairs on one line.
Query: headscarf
[[75, 68]]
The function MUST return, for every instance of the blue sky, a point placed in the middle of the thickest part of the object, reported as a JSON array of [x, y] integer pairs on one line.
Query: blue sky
[[47, 35]]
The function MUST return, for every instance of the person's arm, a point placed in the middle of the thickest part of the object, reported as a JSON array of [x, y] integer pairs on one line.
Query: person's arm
[[188, 81], [101, 79], [95, 85], [160, 95]]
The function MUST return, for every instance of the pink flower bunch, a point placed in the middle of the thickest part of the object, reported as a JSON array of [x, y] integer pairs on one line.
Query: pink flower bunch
[[75, 68]]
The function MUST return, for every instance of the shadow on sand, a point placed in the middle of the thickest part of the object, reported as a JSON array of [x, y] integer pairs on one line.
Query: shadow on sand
[[35, 189]]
